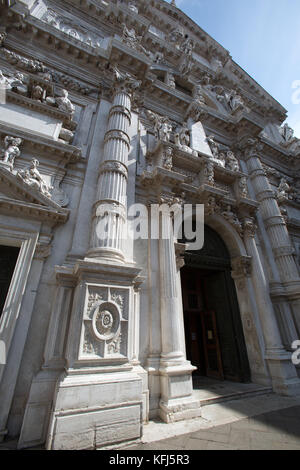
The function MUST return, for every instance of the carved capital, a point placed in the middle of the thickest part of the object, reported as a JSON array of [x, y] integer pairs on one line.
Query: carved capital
[[241, 267], [124, 82], [252, 147]]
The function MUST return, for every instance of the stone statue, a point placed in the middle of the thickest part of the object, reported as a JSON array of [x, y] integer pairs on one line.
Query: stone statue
[[283, 190], [243, 187], [18, 84], [170, 81], [232, 162], [33, 178], [286, 133], [38, 93], [168, 158], [12, 150], [198, 94], [215, 148], [4, 82], [183, 136], [130, 38], [165, 130], [162, 126], [235, 101], [64, 103]]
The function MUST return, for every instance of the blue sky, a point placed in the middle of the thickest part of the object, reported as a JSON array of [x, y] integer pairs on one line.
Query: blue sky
[[263, 37]]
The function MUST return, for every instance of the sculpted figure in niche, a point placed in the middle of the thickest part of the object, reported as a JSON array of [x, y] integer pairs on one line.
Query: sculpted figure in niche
[[170, 81], [232, 162], [215, 148], [183, 134], [64, 103], [33, 178], [12, 150], [38, 93], [235, 101], [168, 158], [165, 130], [283, 190], [243, 186]]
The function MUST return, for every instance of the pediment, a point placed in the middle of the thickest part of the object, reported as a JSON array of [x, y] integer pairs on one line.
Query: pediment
[[18, 198]]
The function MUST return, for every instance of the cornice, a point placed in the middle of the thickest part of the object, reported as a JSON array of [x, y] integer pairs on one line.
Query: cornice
[[57, 150]]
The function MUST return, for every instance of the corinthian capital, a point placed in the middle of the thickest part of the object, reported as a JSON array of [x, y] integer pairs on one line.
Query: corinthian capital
[[125, 82], [252, 147]]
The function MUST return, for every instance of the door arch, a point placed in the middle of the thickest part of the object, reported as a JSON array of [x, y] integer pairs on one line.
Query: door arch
[[214, 335]]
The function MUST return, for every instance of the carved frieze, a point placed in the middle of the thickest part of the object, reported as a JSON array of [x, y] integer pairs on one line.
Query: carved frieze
[[72, 28]]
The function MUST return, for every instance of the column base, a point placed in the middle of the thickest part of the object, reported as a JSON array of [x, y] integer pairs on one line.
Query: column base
[[177, 402], [106, 254], [285, 380]]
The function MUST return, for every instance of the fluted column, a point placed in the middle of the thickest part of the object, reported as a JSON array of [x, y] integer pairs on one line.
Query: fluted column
[[273, 220], [110, 209], [267, 316], [172, 350], [177, 400]]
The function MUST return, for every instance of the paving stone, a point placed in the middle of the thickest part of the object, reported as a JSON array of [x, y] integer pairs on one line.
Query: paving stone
[[196, 444], [211, 435]]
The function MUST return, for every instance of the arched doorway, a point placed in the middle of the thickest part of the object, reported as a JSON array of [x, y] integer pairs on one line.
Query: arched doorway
[[214, 336]]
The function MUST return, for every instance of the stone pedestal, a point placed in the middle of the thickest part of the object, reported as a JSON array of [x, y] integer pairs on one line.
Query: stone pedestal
[[99, 399]]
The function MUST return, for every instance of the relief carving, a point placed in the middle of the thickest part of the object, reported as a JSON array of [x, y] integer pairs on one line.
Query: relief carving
[[32, 177]]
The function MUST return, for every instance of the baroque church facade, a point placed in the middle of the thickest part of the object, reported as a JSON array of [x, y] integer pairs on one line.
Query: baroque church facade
[[105, 104]]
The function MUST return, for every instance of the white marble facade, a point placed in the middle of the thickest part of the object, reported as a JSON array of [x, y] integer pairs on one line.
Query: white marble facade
[[116, 103]]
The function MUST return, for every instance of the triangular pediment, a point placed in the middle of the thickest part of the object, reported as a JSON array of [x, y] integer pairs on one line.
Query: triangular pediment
[[18, 198]]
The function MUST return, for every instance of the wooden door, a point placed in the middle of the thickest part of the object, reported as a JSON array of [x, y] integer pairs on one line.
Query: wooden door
[[212, 351], [202, 344]]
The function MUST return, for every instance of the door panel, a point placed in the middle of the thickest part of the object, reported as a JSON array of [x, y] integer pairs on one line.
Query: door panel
[[211, 345], [218, 299]]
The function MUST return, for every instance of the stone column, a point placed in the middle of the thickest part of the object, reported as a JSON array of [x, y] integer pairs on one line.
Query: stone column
[[282, 371], [109, 217], [176, 372], [273, 221]]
